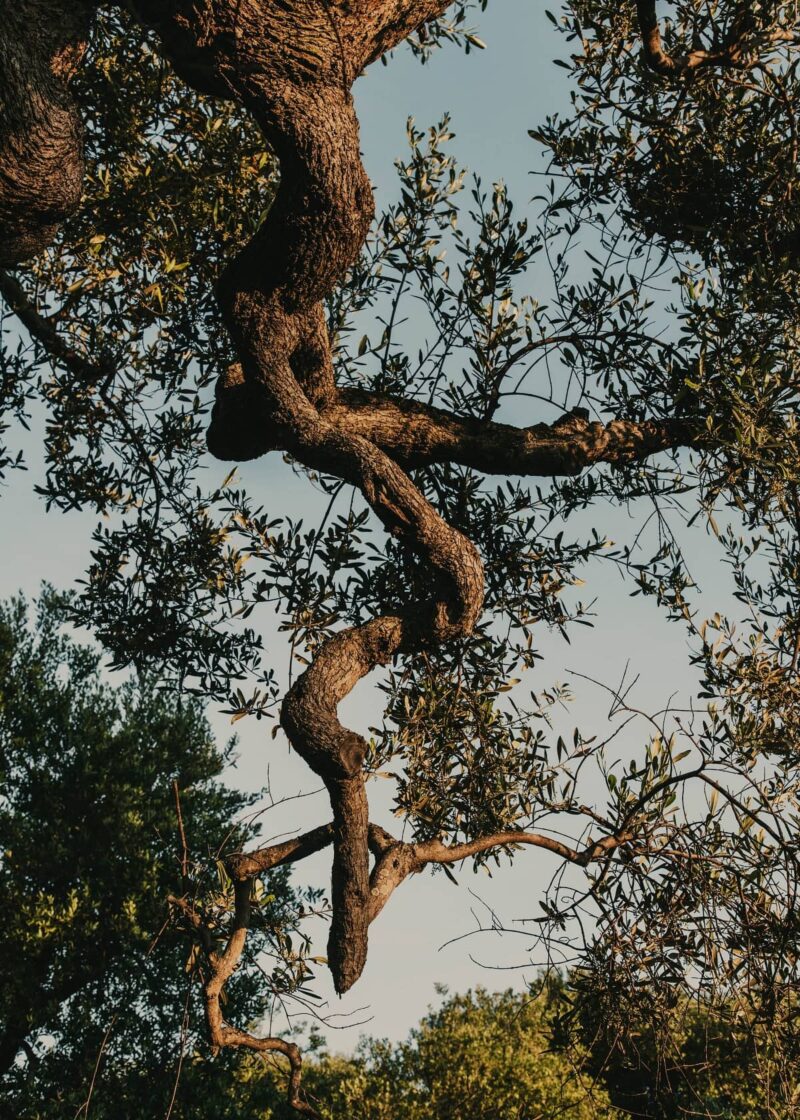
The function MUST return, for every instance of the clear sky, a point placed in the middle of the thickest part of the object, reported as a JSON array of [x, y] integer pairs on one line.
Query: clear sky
[[494, 97]]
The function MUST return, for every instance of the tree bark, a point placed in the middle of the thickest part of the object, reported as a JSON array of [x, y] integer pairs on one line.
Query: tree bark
[[291, 63], [41, 136]]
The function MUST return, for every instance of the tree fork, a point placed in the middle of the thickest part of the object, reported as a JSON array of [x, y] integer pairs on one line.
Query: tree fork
[[291, 64]]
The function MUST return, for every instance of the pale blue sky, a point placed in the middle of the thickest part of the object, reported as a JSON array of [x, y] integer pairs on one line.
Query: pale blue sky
[[494, 97]]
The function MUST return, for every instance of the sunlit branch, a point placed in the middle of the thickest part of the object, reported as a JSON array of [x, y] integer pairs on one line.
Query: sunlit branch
[[733, 53], [416, 434], [221, 967], [396, 860]]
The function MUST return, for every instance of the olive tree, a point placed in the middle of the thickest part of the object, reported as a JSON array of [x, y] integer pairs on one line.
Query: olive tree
[[183, 204], [94, 780]]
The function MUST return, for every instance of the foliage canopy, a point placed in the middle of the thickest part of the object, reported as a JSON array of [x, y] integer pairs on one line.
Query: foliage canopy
[[90, 851], [659, 362]]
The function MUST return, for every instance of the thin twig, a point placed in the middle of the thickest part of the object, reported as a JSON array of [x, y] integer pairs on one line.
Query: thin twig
[[184, 851]]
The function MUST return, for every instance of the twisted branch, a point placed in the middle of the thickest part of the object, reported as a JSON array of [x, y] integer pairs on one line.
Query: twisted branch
[[291, 64], [394, 861], [221, 967], [736, 52]]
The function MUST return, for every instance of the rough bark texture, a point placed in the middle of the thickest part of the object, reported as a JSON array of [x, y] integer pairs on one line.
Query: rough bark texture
[[41, 149], [291, 63], [734, 51], [394, 861]]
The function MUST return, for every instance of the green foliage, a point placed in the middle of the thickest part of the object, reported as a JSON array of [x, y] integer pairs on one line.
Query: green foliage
[[452, 27], [704, 160], [477, 1057], [688, 1060], [663, 243], [90, 851]]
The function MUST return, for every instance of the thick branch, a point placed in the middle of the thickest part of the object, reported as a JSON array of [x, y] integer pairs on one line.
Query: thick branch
[[733, 53], [416, 434], [291, 65], [41, 153], [413, 433]]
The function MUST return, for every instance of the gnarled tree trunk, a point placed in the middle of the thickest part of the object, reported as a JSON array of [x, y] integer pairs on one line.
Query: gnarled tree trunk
[[291, 63]]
